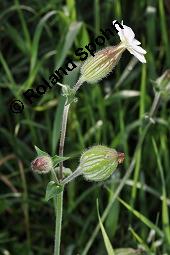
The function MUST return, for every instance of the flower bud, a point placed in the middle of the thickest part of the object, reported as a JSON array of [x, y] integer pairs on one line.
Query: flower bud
[[162, 85], [99, 162], [97, 67], [42, 164]]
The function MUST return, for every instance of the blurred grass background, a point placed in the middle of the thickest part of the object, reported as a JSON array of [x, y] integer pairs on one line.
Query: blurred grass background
[[35, 39]]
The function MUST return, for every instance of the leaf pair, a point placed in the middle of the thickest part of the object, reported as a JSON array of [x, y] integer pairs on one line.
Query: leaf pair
[[56, 159], [53, 188]]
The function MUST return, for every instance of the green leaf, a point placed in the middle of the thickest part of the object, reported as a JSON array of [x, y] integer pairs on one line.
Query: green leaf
[[107, 242], [56, 160], [140, 241], [111, 223], [69, 39], [71, 5], [36, 38], [127, 251], [40, 152], [165, 211], [142, 218], [52, 190]]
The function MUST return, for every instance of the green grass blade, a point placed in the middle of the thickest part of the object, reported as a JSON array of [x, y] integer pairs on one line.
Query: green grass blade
[[165, 212], [142, 218], [71, 5], [68, 42], [140, 240], [36, 39], [24, 25], [164, 30], [107, 242]]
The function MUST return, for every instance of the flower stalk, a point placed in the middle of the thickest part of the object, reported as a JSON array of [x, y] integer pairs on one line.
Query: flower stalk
[[71, 177], [62, 137], [59, 213], [63, 129]]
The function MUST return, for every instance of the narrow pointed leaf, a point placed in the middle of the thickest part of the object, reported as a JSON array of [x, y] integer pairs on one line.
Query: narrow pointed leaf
[[56, 160], [40, 152], [107, 242]]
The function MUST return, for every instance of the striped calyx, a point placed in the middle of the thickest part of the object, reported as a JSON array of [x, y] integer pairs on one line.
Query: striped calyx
[[97, 67], [99, 162]]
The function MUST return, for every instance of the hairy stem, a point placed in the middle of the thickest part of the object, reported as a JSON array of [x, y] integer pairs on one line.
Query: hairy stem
[[59, 212], [63, 129], [62, 137], [59, 201], [72, 176]]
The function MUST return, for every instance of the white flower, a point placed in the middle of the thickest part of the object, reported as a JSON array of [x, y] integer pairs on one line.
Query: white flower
[[128, 40]]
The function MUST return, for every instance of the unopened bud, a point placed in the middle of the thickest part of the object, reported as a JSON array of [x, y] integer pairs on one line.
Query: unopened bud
[[99, 162], [97, 67], [163, 85], [42, 164]]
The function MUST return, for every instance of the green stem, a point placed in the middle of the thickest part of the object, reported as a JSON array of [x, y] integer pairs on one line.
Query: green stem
[[63, 128], [71, 177], [59, 201], [59, 212], [62, 137]]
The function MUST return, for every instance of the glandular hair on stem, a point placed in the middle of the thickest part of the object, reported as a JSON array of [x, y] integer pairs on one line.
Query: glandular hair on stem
[[71, 177]]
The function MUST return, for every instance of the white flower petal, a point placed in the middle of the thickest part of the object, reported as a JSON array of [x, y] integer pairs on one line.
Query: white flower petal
[[136, 42], [127, 37], [128, 33], [122, 36], [139, 49], [116, 25], [137, 55]]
